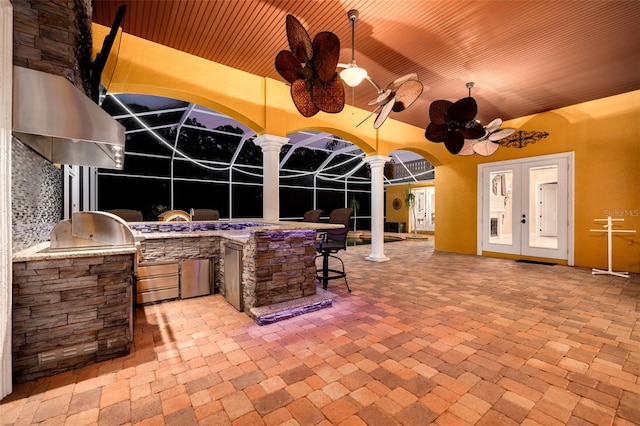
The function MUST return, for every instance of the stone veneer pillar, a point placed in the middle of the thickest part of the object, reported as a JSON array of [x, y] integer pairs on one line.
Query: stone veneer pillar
[[377, 162], [6, 86], [271, 146]]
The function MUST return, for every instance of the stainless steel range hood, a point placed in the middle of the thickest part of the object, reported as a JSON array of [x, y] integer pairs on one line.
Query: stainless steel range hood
[[62, 124]]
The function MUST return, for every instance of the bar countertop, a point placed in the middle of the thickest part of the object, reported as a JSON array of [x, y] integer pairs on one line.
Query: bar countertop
[[158, 230]]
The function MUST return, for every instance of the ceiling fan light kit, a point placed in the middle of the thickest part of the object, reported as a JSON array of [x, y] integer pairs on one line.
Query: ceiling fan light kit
[[353, 75]]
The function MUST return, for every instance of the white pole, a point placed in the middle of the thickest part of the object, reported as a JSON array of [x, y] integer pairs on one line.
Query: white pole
[[271, 146], [376, 163], [609, 242]]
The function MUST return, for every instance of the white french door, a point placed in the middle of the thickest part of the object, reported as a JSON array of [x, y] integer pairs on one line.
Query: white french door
[[425, 208], [525, 207]]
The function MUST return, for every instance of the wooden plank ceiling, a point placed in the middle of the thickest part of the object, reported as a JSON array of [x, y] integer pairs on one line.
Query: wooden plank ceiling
[[525, 57]]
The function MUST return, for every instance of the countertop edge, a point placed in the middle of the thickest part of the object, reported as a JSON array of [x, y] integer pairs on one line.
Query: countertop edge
[[40, 252]]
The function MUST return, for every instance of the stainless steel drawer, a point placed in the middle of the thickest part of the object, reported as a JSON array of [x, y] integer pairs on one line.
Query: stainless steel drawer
[[146, 271], [157, 295], [157, 283]]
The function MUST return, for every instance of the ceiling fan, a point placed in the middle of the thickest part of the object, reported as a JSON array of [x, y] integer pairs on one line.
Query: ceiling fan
[[398, 95], [310, 68], [452, 123], [488, 143]]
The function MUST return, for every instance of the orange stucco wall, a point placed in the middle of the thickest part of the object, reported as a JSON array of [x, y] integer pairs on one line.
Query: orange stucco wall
[[605, 137]]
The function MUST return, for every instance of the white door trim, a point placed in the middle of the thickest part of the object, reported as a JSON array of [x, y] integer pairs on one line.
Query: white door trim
[[6, 102], [510, 163]]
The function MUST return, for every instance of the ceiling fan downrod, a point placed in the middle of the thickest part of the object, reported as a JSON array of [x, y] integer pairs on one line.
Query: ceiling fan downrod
[[353, 17]]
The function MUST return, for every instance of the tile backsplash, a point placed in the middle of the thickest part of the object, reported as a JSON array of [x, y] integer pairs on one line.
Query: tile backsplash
[[36, 197]]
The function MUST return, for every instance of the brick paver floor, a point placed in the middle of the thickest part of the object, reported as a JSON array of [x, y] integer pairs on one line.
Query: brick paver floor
[[425, 338]]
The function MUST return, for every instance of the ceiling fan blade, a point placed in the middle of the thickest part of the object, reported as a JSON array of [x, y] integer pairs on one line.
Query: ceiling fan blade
[[501, 134], [438, 112], [454, 141], [406, 94], [472, 130], [485, 148], [329, 97], [287, 66], [382, 98], [393, 86], [370, 114], [484, 136], [302, 98], [494, 125], [436, 132], [464, 109], [326, 50], [467, 148], [384, 113], [299, 40]]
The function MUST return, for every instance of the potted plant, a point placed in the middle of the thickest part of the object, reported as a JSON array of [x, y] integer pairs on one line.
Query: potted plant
[[410, 200]]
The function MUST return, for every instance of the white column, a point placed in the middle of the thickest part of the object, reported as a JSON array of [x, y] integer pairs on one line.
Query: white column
[[377, 162], [271, 146], [6, 100]]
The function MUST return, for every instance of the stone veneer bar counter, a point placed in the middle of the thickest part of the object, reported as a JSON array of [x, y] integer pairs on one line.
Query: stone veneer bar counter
[[74, 308], [70, 309], [278, 257]]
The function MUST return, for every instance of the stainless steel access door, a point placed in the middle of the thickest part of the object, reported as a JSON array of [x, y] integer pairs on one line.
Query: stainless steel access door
[[233, 275], [196, 277]]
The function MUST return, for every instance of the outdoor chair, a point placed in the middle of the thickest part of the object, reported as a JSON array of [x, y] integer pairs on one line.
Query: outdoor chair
[[205, 214], [333, 240], [127, 215], [312, 216]]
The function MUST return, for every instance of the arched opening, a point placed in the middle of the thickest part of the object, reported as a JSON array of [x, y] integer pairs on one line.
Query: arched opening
[[410, 194], [181, 155]]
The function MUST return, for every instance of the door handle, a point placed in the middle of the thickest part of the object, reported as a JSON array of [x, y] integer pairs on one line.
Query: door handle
[[524, 219]]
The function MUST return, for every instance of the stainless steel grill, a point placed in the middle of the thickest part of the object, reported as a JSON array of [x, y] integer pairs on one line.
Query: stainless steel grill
[[91, 230]]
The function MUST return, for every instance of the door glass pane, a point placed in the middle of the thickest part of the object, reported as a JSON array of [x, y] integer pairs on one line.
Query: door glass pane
[[501, 209], [421, 200], [543, 207]]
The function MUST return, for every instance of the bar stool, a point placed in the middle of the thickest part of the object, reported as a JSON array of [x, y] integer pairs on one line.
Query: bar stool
[[334, 240]]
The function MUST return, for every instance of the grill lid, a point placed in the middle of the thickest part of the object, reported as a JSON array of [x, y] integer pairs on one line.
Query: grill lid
[[90, 230]]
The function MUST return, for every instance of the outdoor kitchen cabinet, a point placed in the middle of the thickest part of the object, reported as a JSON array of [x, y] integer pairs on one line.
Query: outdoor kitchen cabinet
[[158, 281]]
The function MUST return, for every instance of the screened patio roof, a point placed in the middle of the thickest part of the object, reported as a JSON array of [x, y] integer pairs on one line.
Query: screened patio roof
[[323, 155]]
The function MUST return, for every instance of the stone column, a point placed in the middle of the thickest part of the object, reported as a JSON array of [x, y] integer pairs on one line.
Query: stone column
[[6, 86], [271, 146], [377, 162]]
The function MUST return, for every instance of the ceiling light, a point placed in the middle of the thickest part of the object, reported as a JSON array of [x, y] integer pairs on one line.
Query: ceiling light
[[353, 74]]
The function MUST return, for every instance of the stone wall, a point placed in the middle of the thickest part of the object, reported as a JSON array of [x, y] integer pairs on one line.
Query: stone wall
[[164, 250], [36, 197], [68, 313], [279, 266], [54, 36]]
